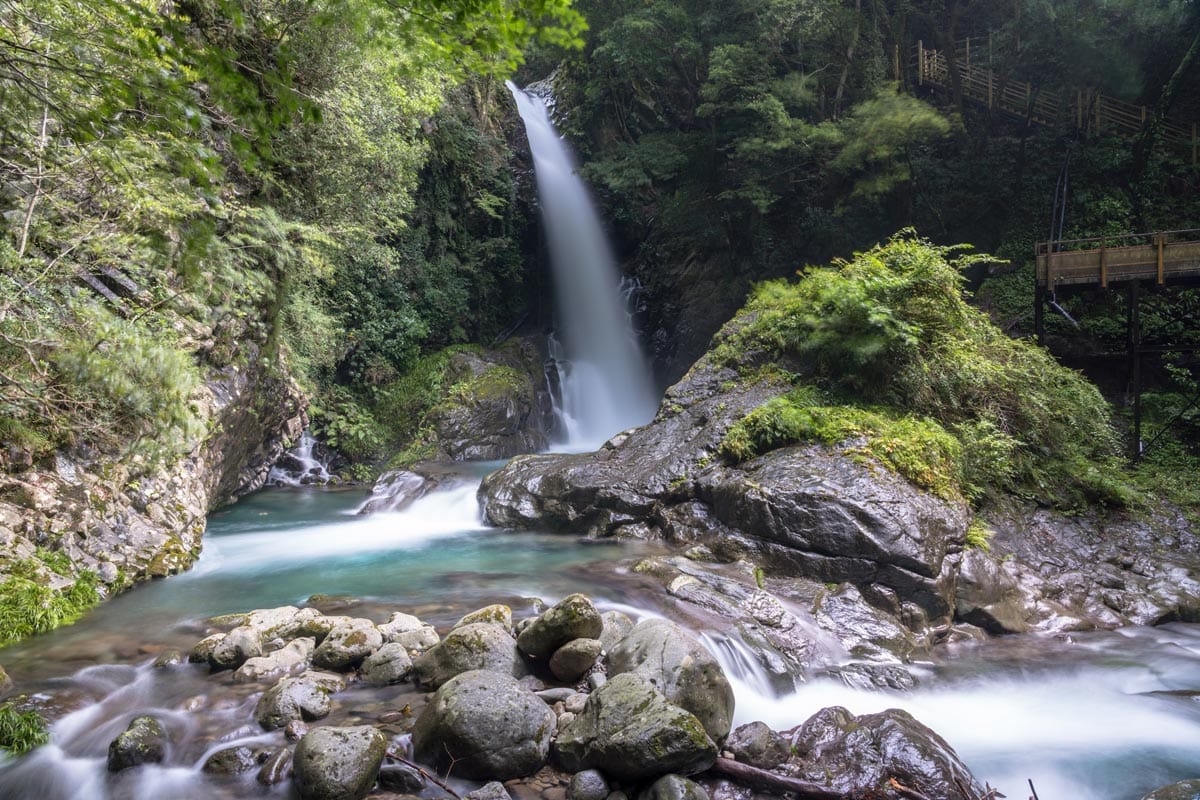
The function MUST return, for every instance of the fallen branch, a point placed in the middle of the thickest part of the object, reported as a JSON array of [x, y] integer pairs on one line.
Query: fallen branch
[[912, 794], [431, 778], [756, 778]]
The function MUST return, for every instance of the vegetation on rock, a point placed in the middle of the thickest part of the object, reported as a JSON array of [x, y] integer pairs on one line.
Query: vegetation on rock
[[888, 356], [21, 731]]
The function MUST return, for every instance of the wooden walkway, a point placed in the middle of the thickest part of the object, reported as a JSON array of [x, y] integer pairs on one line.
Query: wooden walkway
[[1163, 257], [1087, 110]]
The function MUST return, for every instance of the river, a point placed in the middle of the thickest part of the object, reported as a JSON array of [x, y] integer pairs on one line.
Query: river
[[1106, 715]]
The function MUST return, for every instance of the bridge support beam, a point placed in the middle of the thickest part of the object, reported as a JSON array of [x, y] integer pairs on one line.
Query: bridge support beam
[[1134, 333]]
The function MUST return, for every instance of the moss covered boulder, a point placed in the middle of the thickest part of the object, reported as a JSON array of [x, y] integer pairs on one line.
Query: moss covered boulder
[[630, 732], [479, 645]]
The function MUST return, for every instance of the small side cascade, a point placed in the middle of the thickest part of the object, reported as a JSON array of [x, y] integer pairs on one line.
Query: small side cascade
[[299, 466]]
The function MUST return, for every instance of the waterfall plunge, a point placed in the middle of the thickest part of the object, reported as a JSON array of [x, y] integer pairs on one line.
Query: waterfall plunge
[[606, 385]]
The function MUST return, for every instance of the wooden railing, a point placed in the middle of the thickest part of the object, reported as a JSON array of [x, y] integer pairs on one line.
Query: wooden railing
[[1160, 257], [1085, 109]]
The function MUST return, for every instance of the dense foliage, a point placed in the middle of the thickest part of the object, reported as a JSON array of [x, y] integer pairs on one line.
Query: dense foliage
[[886, 349], [177, 182]]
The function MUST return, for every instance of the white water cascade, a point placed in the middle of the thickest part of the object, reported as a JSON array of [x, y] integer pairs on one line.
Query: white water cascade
[[606, 384]]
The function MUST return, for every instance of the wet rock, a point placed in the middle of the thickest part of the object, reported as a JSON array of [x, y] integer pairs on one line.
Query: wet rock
[[679, 667], [674, 787], [866, 632], [347, 645], [235, 647], [143, 742], [574, 659], [401, 778], [494, 615], [305, 697], [630, 732], [872, 677], [294, 731], [615, 625], [1183, 790], [487, 725], [202, 650], [759, 746], [338, 763], [389, 664], [277, 768], [575, 703], [234, 760], [587, 785], [489, 791], [288, 660], [407, 630], [857, 756], [396, 490], [167, 658], [574, 617], [471, 647]]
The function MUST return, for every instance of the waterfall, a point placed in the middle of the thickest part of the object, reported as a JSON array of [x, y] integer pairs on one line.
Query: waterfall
[[605, 381], [299, 466]]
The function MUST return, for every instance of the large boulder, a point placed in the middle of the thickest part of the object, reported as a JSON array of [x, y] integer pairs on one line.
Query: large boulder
[[338, 763], [679, 667], [575, 659], [236, 647], [143, 742], [858, 756], [630, 732], [486, 726], [866, 632], [305, 697], [479, 645], [573, 617]]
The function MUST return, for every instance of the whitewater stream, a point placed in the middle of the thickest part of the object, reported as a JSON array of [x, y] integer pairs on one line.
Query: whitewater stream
[[1104, 715]]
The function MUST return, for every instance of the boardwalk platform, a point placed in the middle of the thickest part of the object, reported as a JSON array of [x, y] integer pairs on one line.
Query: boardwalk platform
[[1162, 258]]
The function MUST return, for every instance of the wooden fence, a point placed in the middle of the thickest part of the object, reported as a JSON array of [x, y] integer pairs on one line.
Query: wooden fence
[[1086, 109]]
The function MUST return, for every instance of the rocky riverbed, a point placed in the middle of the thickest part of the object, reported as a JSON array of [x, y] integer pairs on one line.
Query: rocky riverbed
[[568, 703]]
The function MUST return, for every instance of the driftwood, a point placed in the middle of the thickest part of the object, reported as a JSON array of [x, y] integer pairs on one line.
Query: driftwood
[[757, 778]]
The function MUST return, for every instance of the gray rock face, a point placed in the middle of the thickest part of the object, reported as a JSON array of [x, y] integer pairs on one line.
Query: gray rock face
[[125, 529], [487, 725], [305, 697], [615, 625], [143, 742], [338, 763], [573, 660], [812, 512], [496, 410], [1049, 572], [858, 755], [866, 632], [573, 617], [630, 732], [471, 647], [1184, 790], [389, 664], [401, 778], [680, 668], [674, 787], [347, 645], [759, 746]]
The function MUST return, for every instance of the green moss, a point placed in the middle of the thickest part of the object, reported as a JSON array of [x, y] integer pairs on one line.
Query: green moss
[[29, 607], [979, 536], [919, 449], [21, 731], [886, 347]]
